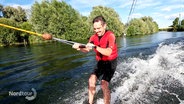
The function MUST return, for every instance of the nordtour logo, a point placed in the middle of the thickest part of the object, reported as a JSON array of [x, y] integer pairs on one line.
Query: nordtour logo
[[28, 95]]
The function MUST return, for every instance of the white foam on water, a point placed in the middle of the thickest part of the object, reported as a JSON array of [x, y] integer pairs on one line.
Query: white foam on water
[[100, 101], [147, 78]]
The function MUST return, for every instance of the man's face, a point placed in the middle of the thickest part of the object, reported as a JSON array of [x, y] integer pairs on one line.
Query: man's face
[[99, 28]]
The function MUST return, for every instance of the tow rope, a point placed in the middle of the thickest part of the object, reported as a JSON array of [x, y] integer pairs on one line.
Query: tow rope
[[40, 35]]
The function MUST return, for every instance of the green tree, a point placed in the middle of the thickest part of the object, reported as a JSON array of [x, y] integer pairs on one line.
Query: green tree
[[111, 16], [25, 37], [19, 14], [182, 22], [155, 27], [182, 25], [152, 25], [139, 26], [8, 36], [8, 12], [59, 19], [142, 26], [131, 31], [175, 24]]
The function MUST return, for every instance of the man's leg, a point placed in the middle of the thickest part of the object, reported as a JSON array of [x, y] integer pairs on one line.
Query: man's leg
[[92, 88], [106, 91]]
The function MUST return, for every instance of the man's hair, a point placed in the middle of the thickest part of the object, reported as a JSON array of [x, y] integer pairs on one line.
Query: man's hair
[[99, 18]]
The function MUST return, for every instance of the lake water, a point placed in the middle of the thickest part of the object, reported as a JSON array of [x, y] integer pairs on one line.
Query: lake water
[[150, 71]]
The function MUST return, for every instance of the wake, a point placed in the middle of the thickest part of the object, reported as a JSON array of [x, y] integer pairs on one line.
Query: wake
[[156, 79]]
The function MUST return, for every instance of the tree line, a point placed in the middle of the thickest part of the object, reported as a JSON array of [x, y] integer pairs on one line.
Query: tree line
[[177, 25], [62, 21]]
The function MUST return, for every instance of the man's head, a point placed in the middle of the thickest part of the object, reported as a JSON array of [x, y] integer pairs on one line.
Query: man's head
[[99, 25]]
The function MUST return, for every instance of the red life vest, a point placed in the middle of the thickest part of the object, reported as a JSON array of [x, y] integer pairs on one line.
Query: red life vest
[[103, 42]]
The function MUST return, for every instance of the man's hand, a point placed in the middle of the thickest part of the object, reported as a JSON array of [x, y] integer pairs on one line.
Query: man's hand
[[82, 47], [47, 36], [90, 46], [76, 46]]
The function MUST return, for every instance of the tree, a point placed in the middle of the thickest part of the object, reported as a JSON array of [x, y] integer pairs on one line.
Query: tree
[[139, 27], [111, 16], [142, 26], [8, 36], [25, 36], [131, 31], [155, 27], [182, 25], [18, 14], [152, 25], [59, 19], [182, 22], [175, 24]]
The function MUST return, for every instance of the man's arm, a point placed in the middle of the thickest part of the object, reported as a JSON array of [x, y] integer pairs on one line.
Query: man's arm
[[107, 51], [88, 47], [104, 51]]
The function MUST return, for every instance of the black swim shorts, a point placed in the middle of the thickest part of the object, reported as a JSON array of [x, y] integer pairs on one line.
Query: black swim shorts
[[105, 69]]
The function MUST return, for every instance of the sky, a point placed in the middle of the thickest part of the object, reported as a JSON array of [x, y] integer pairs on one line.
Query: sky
[[162, 11]]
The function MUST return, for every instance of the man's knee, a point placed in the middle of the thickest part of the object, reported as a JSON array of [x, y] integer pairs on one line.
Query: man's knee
[[92, 80], [104, 85]]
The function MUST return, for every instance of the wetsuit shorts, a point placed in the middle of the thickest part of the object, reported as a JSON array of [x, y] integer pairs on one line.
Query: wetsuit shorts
[[105, 69]]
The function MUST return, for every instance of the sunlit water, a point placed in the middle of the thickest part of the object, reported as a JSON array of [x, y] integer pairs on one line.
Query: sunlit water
[[150, 71]]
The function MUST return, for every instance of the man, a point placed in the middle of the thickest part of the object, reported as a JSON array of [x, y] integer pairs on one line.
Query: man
[[103, 42]]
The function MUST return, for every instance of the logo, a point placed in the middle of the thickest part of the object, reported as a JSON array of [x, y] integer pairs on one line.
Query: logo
[[28, 95]]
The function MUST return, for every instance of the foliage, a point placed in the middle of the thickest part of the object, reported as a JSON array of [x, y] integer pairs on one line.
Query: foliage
[[177, 25], [25, 37], [18, 14], [142, 26], [112, 18], [59, 19], [181, 26], [8, 36], [152, 25], [182, 22]]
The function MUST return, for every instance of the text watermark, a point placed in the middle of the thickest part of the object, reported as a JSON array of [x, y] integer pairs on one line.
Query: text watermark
[[28, 95]]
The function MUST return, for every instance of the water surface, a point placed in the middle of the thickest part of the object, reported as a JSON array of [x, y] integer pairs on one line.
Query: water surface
[[150, 71]]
